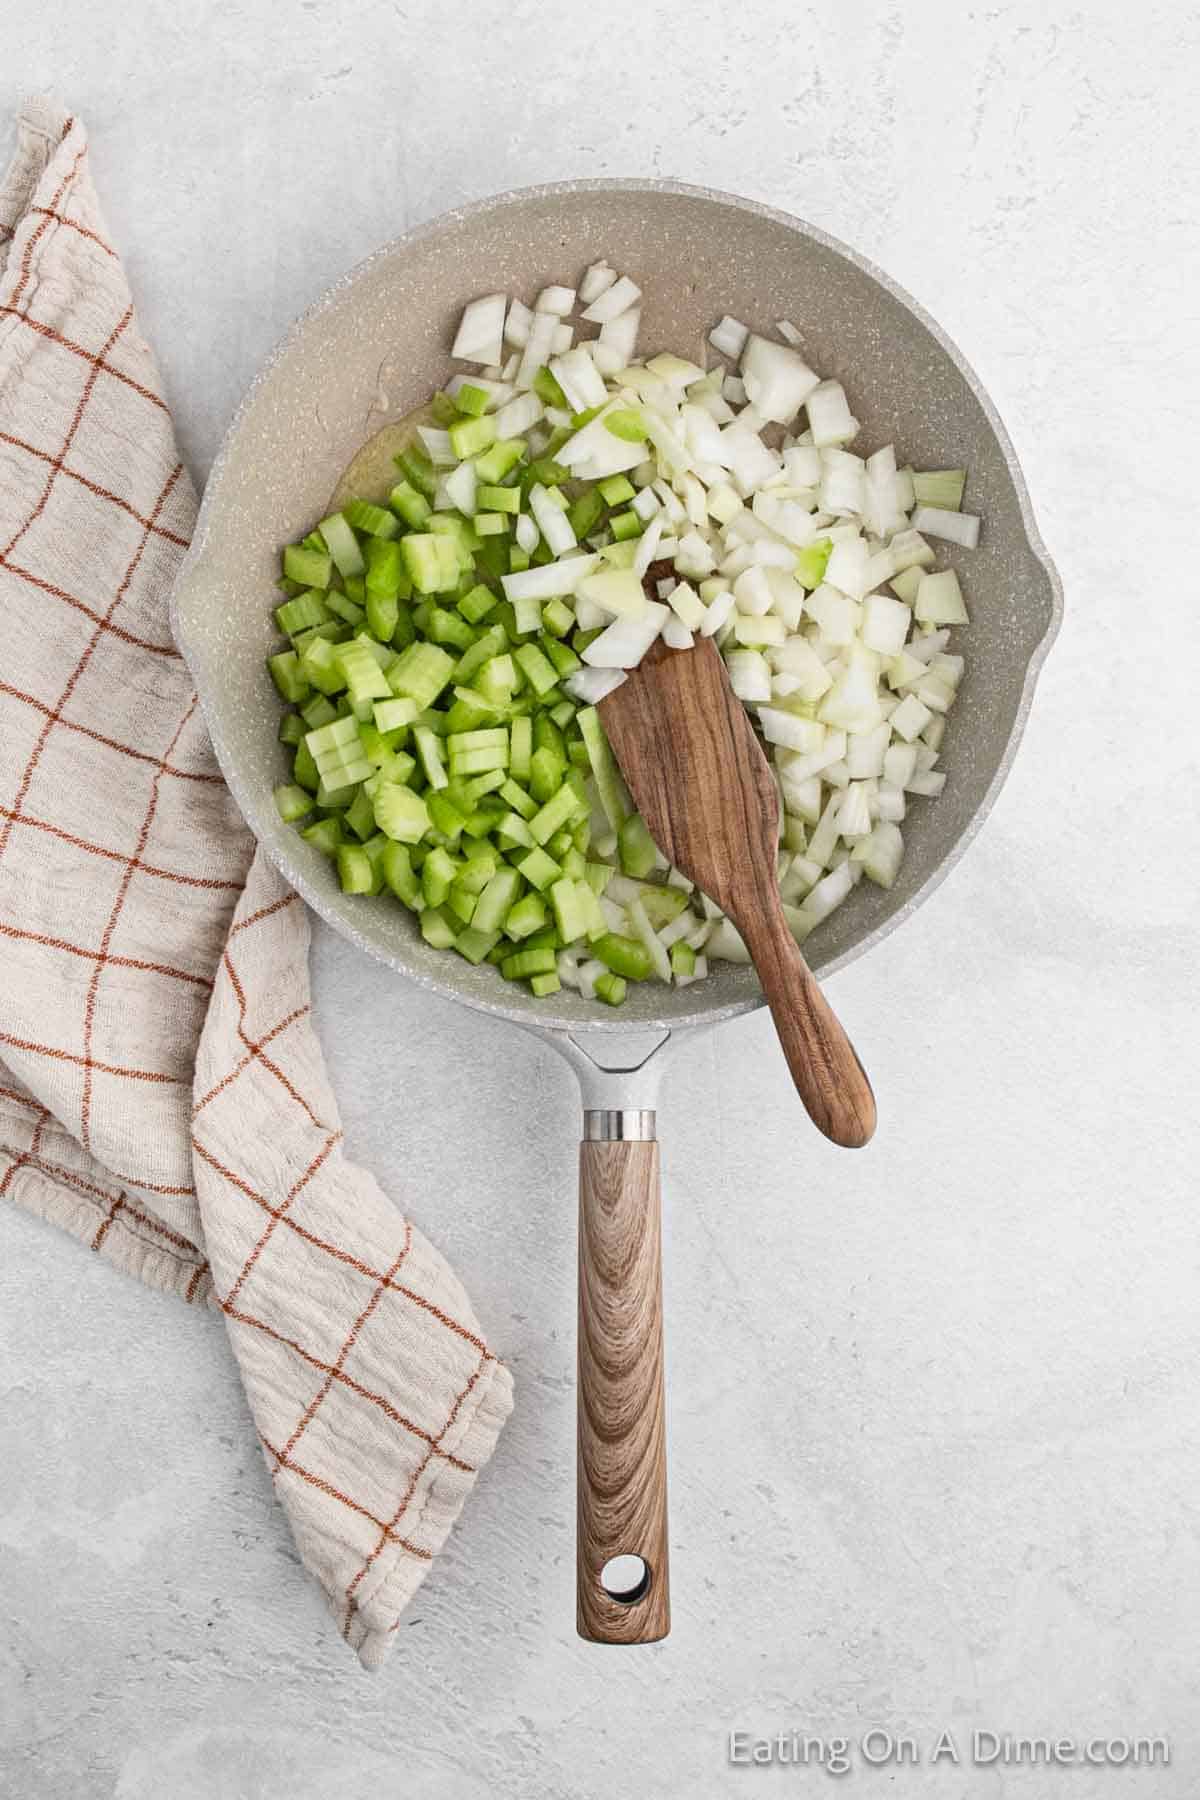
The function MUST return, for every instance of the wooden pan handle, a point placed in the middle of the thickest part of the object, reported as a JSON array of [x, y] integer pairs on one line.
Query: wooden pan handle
[[621, 1496], [828, 1075]]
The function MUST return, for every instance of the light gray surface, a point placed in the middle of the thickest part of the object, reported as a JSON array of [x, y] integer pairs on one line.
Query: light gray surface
[[934, 1408]]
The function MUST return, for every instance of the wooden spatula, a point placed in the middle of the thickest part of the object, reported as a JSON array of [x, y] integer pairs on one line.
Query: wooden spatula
[[700, 780]]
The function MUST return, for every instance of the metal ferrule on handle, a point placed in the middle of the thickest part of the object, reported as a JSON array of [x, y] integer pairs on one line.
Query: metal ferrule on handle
[[608, 1126]]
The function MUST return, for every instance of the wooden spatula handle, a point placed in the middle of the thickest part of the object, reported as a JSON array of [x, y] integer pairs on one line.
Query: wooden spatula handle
[[828, 1075], [621, 1496]]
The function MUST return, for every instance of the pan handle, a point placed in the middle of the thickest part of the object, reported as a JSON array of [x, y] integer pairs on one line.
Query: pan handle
[[621, 1555]]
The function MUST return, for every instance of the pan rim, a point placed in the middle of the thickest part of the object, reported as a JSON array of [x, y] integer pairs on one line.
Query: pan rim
[[249, 804]]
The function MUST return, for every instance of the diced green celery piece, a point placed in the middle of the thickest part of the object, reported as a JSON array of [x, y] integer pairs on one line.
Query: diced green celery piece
[[444, 815], [417, 468], [546, 772], [624, 956], [376, 521], [345, 608], [586, 512], [355, 589], [557, 617], [420, 673], [364, 677], [318, 711], [429, 750], [461, 903], [478, 869], [472, 400], [437, 929], [598, 875], [474, 944], [292, 803], [811, 561], [498, 679], [492, 642], [478, 762], [518, 559], [490, 524], [539, 869], [547, 388], [383, 615], [481, 785], [477, 740], [545, 470], [940, 487], [288, 588], [616, 490], [360, 816], [614, 798], [498, 499], [538, 672], [517, 798], [325, 835], [470, 708], [542, 985], [495, 463], [394, 715], [580, 419], [401, 814], [498, 896], [385, 573], [343, 546], [512, 833], [396, 865], [307, 609], [551, 817], [563, 713], [446, 627], [321, 666], [494, 557], [625, 525], [289, 677], [431, 559], [526, 917], [663, 904], [626, 423], [570, 916], [611, 989], [520, 748], [291, 728], [636, 847], [437, 874], [313, 568], [562, 843], [355, 870], [410, 505], [477, 603], [683, 959], [442, 409], [524, 963], [304, 769], [470, 436]]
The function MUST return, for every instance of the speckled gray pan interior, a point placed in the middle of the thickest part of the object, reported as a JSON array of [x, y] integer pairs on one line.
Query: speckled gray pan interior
[[377, 344]]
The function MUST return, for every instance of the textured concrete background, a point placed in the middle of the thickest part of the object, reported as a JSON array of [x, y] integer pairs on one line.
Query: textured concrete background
[[934, 1409]]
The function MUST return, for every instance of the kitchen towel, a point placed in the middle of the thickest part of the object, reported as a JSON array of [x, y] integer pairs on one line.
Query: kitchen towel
[[162, 1090]]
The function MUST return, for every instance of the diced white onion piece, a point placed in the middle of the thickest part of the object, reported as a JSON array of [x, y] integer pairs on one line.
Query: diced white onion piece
[[675, 371], [613, 301], [802, 465], [549, 582], [623, 644], [539, 346], [746, 456], [646, 934], [460, 488], [910, 718], [725, 943], [647, 547], [758, 630], [749, 676], [829, 417], [676, 634], [787, 597], [835, 614], [694, 558], [847, 567], [596, 279], [517, 415], [579, 379], [843, 482], [885, 624], [526, 533], [956, 527], [551, 520], [929, 782], [607, 358], [854, 814], [618, 591], [790, 730], [645, 504], [564, 337], [716, 613], [591, 685], [686, 603], [437, 444], [729, 337], [787, 332], [557, 300], [752, 591], [497, 391], [516, 326], [909, 550], [852, 702], [777, 380], [885, 851], [940, 601], [882, 513], [723, 502], [480, 335]]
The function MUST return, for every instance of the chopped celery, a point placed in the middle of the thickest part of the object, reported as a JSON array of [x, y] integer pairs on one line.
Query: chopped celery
[[624, 956], [585, 513], [539, 870], [497, 898], [498, 499], [342, 544], [811, 562], [683, 959], [470, 436], [292, 803], [410, 505], [525, 917], [495, 463], [289, 677], [610, 988], [431, 561], [376, 521], [325, 835], [615, 490], [420, 673], [477, 603], [538, 672], [437, 929], [472, 400], [396, 865], [401, 814], [638, 852], [553, 815], [355, 870], [524, 963], [611, 789], [625, 525], [312, 568], [940, 487], [475, 944]]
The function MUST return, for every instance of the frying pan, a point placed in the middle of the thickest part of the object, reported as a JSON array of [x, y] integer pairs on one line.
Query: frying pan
[[369, 352]]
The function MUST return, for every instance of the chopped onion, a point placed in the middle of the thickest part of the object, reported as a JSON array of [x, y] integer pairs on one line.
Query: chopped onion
[[623, 644], [613, 301], [777, 380], [956, 527], [480, 335]]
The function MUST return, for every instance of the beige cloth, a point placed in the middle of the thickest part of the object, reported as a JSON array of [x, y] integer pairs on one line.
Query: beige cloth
[[162, 1091]]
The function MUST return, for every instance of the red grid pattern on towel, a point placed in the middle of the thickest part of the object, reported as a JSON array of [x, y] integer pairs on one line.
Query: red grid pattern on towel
[[102, 641]]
